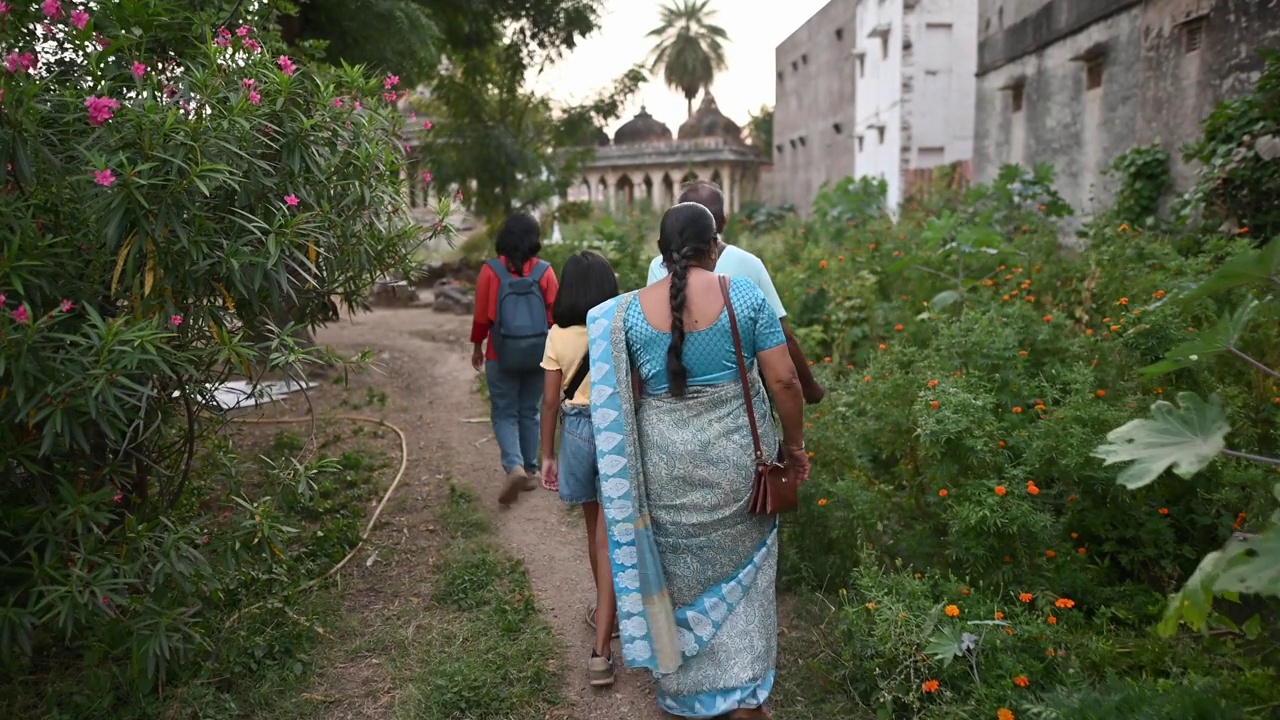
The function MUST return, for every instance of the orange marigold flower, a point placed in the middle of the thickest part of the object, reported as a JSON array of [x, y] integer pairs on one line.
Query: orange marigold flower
[[933, 383], [1051, 554], [898, 327], [866, 378], [1005, 714], [965, 592], [1052, 620], [1065, 603], [1008, 559], [1001, 443], [1040, 408], [1157, 294], [1123, 301], [934, 404], [1021, 681], [1115, 328], [999, 615], [1075, 535], [822, 502], [1023, 353], [1050, 652], [942, 492], [1163, 511], [1025, 597], [873, 246], [930, 686], [1088, 332], [952, 611], [1007, 631], [1000, 490], [1017, 411], [1100, 393], [1158, 391], [871, 606], [823, 264], [1031, 488], [1082, 551], [1071, 498], [883, 346], [1048, 318]]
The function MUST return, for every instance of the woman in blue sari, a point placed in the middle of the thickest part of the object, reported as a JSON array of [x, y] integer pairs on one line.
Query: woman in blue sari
[[693, 570]]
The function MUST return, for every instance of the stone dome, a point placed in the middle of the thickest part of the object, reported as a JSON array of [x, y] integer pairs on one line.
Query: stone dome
[[642, 128], [708, 122], [599, 137]]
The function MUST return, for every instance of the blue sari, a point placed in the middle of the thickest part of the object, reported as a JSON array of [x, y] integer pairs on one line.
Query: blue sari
[[693, 571]]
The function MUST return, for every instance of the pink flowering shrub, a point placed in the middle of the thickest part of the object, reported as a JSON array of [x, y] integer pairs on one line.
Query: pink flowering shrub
[[176, 208]]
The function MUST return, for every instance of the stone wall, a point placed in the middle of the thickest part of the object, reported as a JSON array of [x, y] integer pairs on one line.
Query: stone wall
[[813, 116], [1095, 78]]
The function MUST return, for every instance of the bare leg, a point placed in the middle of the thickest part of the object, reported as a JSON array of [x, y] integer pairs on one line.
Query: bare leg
[[591, 514], [606, 602]]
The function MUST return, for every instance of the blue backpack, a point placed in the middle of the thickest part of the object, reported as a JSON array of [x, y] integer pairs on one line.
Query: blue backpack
[[520, 330]]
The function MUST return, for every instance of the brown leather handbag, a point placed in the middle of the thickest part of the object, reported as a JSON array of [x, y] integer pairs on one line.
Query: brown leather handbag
[[774, 489]]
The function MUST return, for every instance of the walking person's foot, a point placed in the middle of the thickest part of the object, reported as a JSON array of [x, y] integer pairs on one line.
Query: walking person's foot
[[517, 478], [591, 620], [534, 480], [600, 671]]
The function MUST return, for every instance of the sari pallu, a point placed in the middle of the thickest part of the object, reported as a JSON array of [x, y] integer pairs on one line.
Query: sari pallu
[[693, 571]]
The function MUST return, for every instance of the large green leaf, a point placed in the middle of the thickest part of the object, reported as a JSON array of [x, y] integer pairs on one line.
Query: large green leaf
[[1219, 339], [1246, 269], [1185, 438], [1251, 565], [1194, 602]]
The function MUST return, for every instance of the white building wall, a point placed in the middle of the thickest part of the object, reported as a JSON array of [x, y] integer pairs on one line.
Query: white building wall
[[920, 85], [878, 93]]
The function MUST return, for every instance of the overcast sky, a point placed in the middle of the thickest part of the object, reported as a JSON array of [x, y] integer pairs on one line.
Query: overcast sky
[[755, 27]]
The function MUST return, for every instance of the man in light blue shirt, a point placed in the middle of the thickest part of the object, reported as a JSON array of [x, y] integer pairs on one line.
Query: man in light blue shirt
[[736, 262]]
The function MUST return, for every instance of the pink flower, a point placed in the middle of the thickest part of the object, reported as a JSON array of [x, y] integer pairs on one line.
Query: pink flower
[[457, 196], [13, 62], [5, 8], [243, 30], [247, 82], [224, 33], [426, 124], [426, 178], [252, 45], [286, 65], [52, 9], [390, 81], [118, 497], [101, 109], [254, 97], [20, 315], [138, 69], [66, 306], [176, 320], [291, 200], [222, 42], [389, 96], [102, 42], [79, 18], [105, 178], [337, 102], [358, 105], [3, 299]]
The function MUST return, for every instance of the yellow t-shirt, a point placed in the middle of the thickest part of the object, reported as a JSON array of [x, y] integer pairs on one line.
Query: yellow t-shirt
[[566, 348]]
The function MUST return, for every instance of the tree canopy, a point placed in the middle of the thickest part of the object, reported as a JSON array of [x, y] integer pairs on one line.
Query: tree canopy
[[689, 48]]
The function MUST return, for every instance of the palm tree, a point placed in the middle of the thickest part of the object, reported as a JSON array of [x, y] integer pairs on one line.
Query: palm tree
[[688, 48]]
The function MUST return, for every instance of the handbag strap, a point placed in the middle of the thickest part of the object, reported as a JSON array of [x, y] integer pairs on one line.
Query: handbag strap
[[742, 368], [575, 381]]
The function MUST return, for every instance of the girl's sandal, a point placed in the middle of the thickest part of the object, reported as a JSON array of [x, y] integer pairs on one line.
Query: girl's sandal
[[591, 620]]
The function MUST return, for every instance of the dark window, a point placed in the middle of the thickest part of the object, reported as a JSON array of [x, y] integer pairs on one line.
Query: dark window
[[802, 141], [839, 34], [779, 76], [793, 143], [862, 66], [880, 133], [1093, 74], [795, 66], [778, 147], [804, 59], [1192, 35], [860, 138], [838, 128], [1015, 97]]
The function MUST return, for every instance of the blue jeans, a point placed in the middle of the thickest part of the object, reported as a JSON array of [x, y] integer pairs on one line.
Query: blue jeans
[[579, 478], [514, 402]]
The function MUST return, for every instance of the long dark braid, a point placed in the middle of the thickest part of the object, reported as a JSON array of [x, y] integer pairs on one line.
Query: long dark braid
[[688, 234]]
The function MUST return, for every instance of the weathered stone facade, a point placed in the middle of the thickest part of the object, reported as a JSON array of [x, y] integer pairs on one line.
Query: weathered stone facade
[[645, 165], [813, 114], [1076, 83]]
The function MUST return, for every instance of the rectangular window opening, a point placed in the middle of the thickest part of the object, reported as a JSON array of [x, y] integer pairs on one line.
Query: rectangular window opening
[[1016, 97], [1093, 74], [1192, 36], [837, 127], [839, 34]]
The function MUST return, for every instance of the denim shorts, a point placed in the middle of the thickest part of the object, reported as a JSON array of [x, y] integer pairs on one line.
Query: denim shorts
[[579, 477]]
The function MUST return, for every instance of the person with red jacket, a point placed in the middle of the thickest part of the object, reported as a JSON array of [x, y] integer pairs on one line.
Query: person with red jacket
[[514, 295]]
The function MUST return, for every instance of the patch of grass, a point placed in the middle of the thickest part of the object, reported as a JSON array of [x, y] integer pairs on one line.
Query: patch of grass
[[487, 653], [804, 691]]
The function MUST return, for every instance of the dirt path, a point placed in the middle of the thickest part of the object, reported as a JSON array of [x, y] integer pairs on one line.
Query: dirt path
[[425, 359]]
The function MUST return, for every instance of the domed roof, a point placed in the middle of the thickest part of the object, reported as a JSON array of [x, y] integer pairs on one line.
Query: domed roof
[[599, 137], [708, 122], [642, 128]]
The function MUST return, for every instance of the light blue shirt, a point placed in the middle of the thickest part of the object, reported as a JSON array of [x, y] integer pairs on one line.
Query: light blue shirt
[[735, 262]]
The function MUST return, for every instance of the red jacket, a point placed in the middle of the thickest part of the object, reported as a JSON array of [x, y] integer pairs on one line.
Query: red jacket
[[487, 302]]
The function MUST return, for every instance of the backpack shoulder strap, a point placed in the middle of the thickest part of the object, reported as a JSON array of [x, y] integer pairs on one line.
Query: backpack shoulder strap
[[539, 269], [499, 268], [579, 375]]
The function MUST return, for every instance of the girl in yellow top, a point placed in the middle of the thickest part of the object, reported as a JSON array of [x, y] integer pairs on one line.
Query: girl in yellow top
[[586, 280]]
